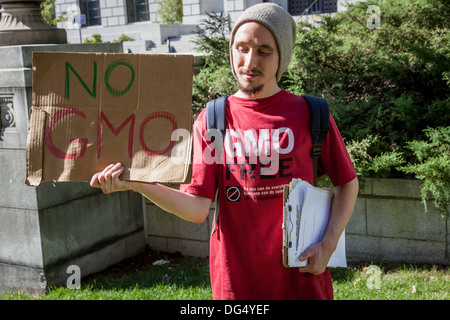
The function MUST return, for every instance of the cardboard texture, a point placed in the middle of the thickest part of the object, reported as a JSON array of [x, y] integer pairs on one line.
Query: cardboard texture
[[93, 109]]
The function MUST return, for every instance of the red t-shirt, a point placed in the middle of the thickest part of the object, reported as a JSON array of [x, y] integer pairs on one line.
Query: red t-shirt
[[246, 248]]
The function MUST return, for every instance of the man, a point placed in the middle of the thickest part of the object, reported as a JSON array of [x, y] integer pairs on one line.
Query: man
[[262, 121]]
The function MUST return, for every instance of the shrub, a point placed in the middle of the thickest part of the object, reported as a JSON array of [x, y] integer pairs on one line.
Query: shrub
[[122, 38], [215, 79], [389, 82], [96, 38], [432, 165], [170, 11], [370, 165]]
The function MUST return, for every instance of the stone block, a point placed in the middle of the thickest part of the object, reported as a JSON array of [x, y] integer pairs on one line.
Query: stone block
[[396, 250], [404, 219], [357, 223], [111, 217], [20, 238], [164, 224], [15, 278], [399, 188]]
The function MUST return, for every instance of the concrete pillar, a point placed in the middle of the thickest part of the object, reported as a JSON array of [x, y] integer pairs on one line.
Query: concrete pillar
[[22, 22]]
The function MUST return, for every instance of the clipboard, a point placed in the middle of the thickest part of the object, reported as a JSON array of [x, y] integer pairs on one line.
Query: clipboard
[[306, 211]]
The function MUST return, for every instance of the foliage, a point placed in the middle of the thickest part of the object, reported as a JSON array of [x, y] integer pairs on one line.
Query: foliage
[[170, 11], [48, 13], [96, 38], [378, 165], [385, 85], [390, 82], [432, 165], [215, 79], [122, 38]]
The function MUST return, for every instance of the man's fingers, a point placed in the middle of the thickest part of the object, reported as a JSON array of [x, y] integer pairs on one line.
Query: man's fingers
[[117, 173], [94, 181], [102, 175], [107, 178]]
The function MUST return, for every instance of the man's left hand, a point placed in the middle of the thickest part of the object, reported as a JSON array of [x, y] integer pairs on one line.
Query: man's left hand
[[317, 256]]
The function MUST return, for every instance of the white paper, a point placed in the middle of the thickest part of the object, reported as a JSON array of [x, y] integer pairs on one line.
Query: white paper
[[306, 215]]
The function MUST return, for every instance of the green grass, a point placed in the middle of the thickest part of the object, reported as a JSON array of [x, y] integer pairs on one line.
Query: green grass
[[391, 282], [188, 279]]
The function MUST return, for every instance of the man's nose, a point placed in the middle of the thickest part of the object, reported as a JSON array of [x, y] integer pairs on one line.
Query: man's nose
[[250, 59]]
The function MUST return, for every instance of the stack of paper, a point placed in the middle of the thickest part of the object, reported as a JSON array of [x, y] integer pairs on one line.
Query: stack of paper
[[306, 214]]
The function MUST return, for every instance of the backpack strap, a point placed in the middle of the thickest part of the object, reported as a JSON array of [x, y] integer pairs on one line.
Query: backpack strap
[[215, 114], [216, 119], [320, 125]]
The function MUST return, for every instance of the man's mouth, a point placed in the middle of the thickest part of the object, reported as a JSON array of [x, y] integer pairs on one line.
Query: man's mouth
[[249, 75]]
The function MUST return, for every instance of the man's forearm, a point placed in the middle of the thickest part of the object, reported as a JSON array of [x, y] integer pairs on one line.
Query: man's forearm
[[186, 206], [341, 211]]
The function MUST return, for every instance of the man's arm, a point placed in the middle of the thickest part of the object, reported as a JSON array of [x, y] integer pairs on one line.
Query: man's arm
[[186, 206], [342, 207]]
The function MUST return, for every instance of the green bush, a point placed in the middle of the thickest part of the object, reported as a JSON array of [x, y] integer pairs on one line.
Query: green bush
[[378, 165], [432, 165], [96, 38], [389, 82], [122, 38], [215, 79], [170, 11], [386, 86]]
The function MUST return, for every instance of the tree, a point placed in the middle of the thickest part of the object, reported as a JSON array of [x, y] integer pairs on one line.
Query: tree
[[388, 81], [171, 11], [215, 79], [48, 13]]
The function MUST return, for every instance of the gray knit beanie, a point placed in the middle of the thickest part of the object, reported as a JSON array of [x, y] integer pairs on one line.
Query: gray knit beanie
[[279, 22]]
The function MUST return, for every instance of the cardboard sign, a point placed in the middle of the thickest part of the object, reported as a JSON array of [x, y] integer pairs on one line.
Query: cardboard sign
[[93, 109]]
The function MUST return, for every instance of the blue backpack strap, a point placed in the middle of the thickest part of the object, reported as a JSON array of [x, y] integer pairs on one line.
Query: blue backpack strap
[[216, 119], [216, 114], [320, 125]]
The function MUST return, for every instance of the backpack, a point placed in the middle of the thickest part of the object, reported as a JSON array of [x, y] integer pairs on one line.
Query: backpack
[[319, 125]]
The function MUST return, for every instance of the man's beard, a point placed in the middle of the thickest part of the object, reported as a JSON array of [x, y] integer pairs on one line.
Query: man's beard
[[248, 88]]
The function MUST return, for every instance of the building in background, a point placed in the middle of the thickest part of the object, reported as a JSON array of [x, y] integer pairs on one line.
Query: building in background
[[138, 19]]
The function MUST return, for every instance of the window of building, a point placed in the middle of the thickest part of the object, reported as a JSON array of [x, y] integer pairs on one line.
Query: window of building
[[91, 9], [138, 10], [298, 7]]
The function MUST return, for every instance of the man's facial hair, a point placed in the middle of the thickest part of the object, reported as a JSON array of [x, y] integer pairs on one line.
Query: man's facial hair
[[250, 90]]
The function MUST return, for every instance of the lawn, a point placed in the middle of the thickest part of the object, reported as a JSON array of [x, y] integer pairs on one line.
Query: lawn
[[187, 278]]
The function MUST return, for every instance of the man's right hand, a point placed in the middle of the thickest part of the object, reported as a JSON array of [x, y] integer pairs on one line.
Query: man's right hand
[[108, 179]]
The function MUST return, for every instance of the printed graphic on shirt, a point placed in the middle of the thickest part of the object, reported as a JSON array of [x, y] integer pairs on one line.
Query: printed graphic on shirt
[[249, 146], [255, 160], [263, 193], [233, 193]]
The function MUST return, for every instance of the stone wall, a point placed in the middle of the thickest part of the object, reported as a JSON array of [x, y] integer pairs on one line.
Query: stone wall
[[389, 224]]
